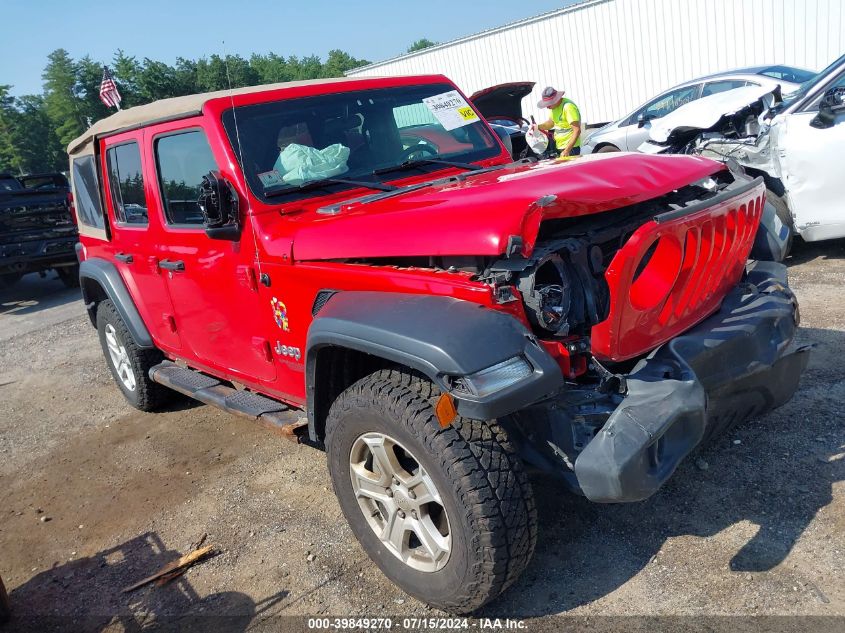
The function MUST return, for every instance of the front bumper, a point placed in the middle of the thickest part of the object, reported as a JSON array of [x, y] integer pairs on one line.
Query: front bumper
[[735, 365]]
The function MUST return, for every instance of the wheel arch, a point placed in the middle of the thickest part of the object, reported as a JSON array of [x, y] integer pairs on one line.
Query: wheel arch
[[600, 146], [359, 332], [100, 280]]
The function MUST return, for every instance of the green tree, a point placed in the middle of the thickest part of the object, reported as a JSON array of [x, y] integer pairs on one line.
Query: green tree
[[421, 44], [126, 72], [338, 62], [61, 97]]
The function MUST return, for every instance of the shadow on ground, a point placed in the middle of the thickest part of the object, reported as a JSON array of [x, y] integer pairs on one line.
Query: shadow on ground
[[803, 252], [70, 596], [33, 293], [778, 478]]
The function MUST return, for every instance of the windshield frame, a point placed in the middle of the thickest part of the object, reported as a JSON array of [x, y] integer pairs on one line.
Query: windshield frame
[[795, 100], [228, 117]]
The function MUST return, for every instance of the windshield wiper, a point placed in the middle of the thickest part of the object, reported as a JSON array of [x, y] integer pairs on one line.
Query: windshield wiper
[[323, 182], [411, 164]]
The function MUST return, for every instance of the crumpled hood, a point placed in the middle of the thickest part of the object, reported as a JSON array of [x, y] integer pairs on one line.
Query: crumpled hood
[[478, 214], [704, 113]]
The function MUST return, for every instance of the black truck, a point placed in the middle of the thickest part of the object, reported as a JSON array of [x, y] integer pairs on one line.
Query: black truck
[[37, 228]]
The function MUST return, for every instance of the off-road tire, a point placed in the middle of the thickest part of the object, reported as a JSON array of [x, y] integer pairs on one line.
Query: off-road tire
[[474, 466], [147, 395], [69, 276], [782, 210], [607, 148]]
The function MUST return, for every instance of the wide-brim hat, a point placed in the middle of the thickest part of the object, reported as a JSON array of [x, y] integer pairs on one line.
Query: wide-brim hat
[[550, 97]]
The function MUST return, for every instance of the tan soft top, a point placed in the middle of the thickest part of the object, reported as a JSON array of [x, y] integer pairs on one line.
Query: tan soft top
[[179, 108]]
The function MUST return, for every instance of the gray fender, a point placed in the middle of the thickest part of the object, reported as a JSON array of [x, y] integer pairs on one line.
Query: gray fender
[[106, 275], [437, 336]]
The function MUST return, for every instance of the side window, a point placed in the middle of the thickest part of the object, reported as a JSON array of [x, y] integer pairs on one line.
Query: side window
[[182, 160], [86, 193], [715, 87], [126, 183], [665, 104]]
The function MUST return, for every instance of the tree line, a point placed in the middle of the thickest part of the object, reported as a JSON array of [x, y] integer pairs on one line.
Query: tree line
[[35, 129]]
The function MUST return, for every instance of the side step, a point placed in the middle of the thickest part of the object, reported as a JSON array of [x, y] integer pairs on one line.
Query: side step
[[272, 413]]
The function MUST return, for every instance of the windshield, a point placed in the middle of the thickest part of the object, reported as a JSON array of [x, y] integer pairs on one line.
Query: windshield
[[788, 73], [808, 85], [348, 136]]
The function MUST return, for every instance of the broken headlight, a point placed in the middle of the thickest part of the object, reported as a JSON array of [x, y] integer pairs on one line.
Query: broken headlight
[[492, 379]]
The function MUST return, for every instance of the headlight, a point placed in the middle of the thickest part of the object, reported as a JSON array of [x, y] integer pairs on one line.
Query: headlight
[[495, 378]]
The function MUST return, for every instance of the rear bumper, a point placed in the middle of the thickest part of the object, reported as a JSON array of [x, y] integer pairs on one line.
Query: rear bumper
[[735, 365], [37, 255]]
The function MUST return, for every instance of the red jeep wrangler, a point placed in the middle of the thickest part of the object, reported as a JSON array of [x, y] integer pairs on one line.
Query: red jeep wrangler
[[365, 250]]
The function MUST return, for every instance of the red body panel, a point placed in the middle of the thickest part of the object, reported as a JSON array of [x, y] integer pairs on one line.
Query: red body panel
[[217, 317], [698, 258], [477, 215]]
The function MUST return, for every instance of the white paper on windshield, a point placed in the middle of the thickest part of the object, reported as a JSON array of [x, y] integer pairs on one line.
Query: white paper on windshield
[[451, 110]]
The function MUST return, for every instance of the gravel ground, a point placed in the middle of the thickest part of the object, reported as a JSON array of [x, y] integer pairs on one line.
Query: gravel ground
[[95, 495]]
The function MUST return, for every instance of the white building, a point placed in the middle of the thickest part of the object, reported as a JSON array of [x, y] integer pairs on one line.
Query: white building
[[612, 55]]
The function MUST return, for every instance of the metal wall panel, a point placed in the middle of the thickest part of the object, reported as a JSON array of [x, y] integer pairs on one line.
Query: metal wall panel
[[612, 55]]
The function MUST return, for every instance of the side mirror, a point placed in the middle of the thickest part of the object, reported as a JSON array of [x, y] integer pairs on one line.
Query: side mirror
[[218, 202], [832, 103], [642, 119]]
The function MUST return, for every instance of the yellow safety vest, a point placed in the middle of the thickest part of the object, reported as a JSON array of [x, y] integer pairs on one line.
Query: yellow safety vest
[[563, 115]]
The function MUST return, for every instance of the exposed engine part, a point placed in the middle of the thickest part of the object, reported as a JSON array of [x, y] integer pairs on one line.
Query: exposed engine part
[[547, 292]]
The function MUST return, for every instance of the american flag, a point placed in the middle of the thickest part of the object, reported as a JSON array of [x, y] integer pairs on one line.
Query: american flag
[[108, 90]]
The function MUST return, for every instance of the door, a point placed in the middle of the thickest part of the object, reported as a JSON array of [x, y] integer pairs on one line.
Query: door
[[813, 170], [213, 283], [655, 109], [134, 239]]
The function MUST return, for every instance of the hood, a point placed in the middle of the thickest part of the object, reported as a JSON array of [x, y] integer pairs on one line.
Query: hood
[[480, 213], [706, 112], [502, 100]]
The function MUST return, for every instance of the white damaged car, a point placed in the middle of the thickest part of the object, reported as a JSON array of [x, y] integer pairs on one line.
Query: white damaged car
[[796, 142]]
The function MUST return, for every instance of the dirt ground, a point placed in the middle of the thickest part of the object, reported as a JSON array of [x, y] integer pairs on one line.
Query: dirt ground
[[95, 495]]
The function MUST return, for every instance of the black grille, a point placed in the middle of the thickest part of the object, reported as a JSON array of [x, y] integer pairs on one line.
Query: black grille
[[321, 300]]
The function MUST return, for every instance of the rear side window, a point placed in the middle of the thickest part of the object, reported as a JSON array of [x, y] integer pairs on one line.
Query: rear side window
[[127, 183], [183, 159], [87, 193], [715, 87]]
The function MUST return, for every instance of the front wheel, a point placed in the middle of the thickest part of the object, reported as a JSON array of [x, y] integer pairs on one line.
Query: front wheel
[[783, 213], [447, 514]]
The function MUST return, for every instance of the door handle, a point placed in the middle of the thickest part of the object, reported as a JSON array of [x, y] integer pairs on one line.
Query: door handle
[[173, 266], [126, 258]]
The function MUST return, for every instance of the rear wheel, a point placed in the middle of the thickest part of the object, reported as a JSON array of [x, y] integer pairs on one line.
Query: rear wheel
[[607, 148], [129, 364], [447, 514], [69, 275]]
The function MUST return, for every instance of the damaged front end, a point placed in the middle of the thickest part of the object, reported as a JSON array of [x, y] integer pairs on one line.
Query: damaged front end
[[663, 333], [620, 438]]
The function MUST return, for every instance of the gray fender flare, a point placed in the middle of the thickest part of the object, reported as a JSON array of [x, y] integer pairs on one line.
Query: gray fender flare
[[106, 275], [437, 336]]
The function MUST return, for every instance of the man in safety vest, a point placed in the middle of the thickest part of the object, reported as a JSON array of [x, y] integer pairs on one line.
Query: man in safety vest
[[565, 120]]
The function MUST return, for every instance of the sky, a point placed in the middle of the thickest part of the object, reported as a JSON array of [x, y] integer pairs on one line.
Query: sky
[[166, 29]]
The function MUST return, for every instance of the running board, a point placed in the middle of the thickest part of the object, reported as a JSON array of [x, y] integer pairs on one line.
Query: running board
[[275, 415]]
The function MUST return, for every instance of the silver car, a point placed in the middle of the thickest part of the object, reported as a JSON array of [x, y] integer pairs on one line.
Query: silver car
[[631, 131]]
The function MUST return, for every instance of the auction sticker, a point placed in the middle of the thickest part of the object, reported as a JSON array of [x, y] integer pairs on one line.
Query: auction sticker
[[451, 109], [270, 178]]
